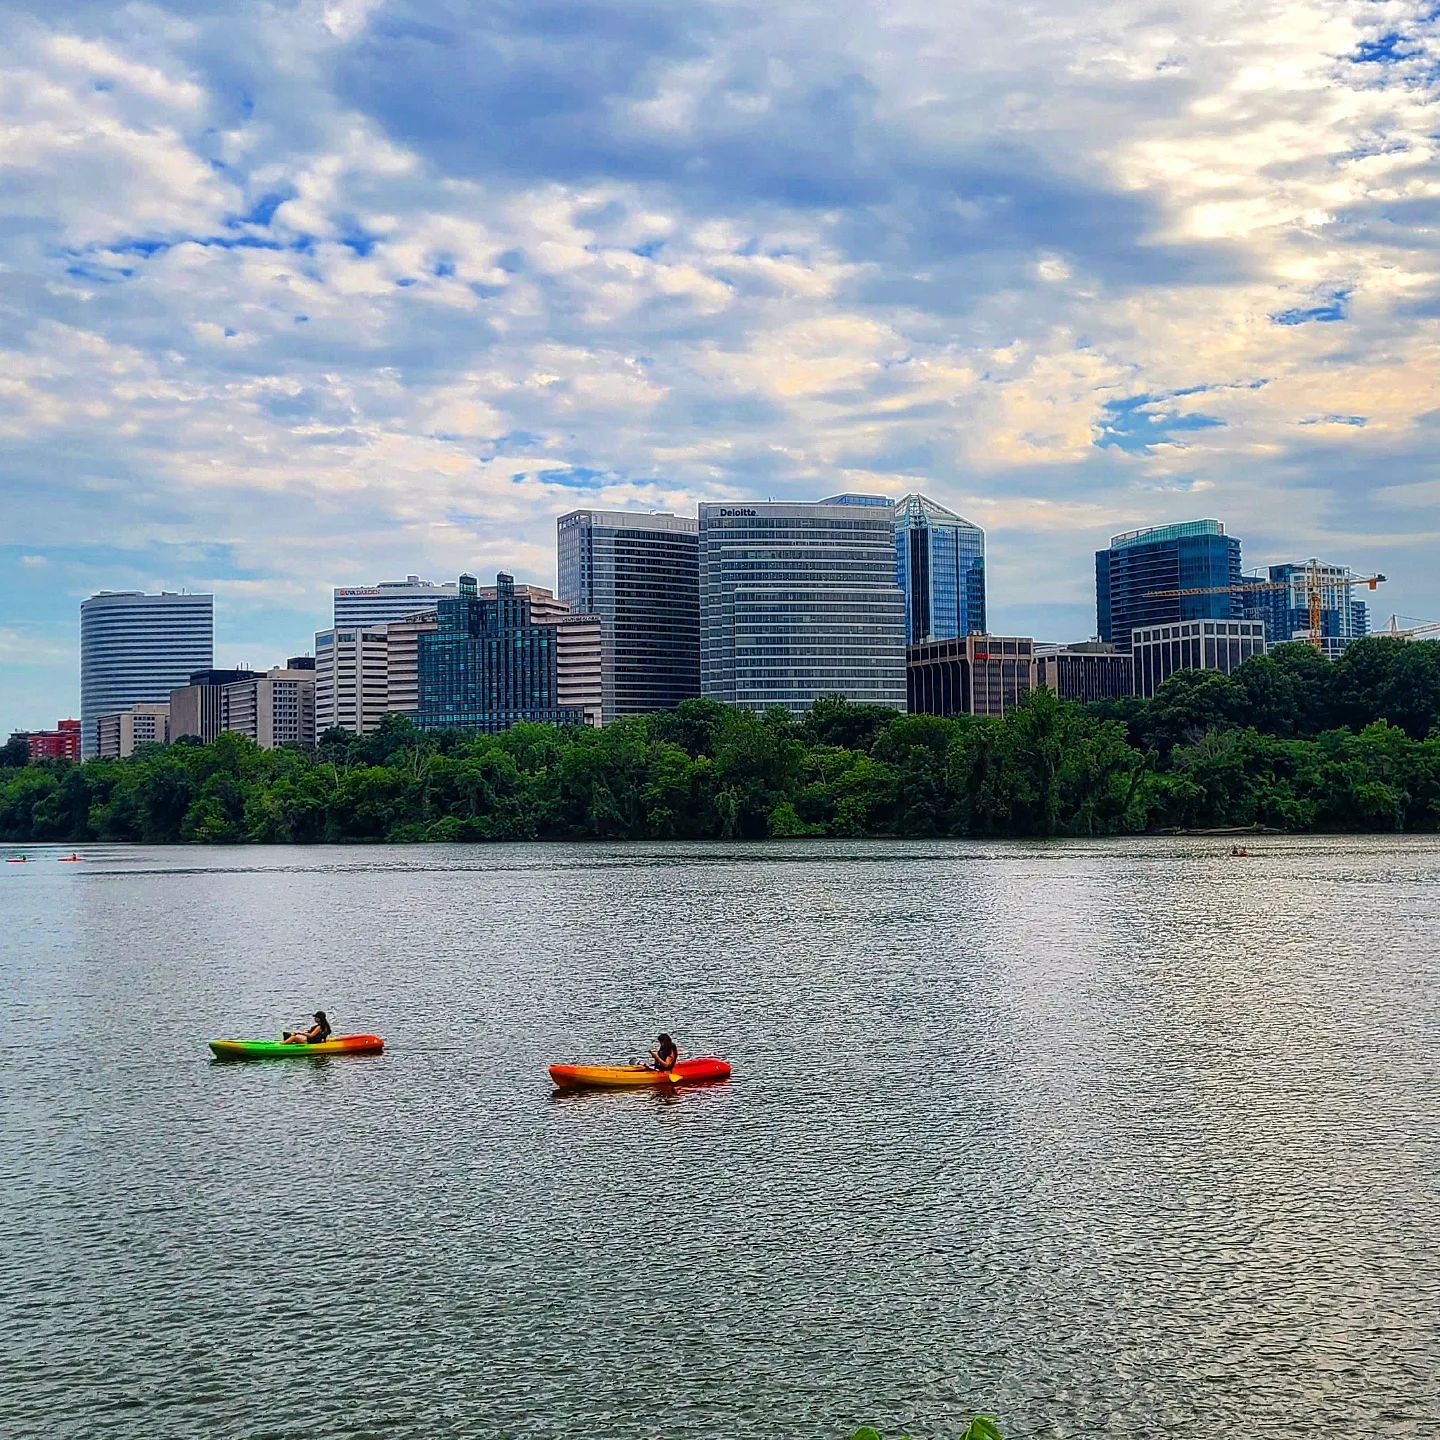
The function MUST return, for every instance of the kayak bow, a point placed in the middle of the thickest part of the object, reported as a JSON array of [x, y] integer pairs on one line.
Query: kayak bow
[[278, 1050], [629, 1077]]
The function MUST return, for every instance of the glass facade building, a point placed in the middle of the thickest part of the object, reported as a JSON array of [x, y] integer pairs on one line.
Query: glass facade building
[[640, 574], [1192, 555], [798, 601], [135, 649], [489, 664], [1285, 613], [940, 565]]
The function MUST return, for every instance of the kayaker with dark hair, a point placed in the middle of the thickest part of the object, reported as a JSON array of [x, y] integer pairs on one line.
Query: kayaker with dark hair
[[665, 1054], [317, 1034]]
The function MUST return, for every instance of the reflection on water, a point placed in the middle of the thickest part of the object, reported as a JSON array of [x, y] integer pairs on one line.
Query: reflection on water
[[1112, 1138]]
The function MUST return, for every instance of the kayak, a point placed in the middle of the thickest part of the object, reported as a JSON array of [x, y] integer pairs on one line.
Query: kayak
[[278, 1050], [626, 1077]]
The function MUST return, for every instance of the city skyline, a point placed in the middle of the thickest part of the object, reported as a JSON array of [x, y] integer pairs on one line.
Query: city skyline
[[279, 315]]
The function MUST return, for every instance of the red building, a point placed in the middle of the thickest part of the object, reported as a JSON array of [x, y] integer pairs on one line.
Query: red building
[[61, 743]]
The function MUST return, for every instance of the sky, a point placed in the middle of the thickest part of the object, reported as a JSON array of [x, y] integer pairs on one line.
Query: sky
[[297, 295]]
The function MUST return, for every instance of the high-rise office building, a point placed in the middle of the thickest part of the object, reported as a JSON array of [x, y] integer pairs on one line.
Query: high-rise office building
[[1285, 612], [640, 574], [136, 649], [1196, 554], [351, 678], [1223, 645], [489, 664], [800, 601], [357, 605], [940, 565]]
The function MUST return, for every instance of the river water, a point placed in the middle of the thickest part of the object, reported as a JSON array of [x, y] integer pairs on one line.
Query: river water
[[1113, 1138]]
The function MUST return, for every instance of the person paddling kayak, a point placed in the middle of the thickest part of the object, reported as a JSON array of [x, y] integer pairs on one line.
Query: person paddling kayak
[[664, 1055], [317, 1034]]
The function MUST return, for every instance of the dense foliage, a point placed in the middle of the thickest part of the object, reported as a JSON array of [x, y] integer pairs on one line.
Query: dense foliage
[[1290, 740]]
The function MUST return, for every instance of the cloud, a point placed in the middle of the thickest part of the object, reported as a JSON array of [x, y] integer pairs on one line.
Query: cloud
[[296, 296]]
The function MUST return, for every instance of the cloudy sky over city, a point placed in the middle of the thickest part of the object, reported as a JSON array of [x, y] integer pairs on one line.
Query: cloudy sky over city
[[303, 294]]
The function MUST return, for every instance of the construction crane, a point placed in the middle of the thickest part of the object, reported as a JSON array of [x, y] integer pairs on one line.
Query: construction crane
[[1396, 631], [1317, 579]]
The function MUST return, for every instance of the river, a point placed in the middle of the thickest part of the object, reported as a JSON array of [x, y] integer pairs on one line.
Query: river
[[1108, 1138]]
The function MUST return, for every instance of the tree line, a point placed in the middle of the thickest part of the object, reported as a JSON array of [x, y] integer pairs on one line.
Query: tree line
[[1290, 740]]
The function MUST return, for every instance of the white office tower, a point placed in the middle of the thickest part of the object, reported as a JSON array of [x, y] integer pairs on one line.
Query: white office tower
[[135, 649], [387, 601], [798, 601], [351, 678]]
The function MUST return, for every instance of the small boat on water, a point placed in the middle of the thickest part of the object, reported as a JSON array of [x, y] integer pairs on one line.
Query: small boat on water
[[630, 1077], [280, 1050]]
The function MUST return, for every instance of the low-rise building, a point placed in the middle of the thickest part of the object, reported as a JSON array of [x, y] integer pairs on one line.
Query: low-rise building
[[61, 743], [970, 675], [1089, 671], [118, 732], [1223, 645]]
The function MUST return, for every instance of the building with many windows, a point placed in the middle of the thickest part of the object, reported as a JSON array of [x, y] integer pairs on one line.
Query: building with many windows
[[368, 605], [61, 743], [137, 648], [940, 565], [1285, 611], [197, 708], [798, 601], [639, 573], [118, 732], [489, 664], [1088, 671], [352, 678], [970, 675], [273, 708], [1223, 645], [1194, 555]]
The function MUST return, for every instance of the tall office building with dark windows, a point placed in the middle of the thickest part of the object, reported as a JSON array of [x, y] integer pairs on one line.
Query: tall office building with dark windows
[[799, 601], [640, 574], [940, 565], [489, 664], [135, 649], [1196, 554]]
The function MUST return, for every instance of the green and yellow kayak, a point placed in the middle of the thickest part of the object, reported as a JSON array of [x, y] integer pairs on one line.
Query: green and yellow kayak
[[279, 1050]]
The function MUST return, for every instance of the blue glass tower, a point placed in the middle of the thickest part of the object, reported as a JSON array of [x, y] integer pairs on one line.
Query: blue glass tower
[[1196, 554], [488, 665], [940, 565]]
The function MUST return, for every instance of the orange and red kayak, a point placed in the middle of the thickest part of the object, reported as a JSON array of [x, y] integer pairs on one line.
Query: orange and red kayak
[[627, 1077], [279, 1050]]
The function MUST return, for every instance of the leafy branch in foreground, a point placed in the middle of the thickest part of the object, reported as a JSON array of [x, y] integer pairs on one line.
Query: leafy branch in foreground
[[982, 1427]]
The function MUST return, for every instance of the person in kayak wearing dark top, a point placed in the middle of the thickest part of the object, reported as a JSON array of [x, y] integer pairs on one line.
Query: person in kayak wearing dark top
[[317, 1034], [665, 1055]]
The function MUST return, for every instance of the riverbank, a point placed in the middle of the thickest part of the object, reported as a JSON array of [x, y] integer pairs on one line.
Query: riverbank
[[1210, 754]]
